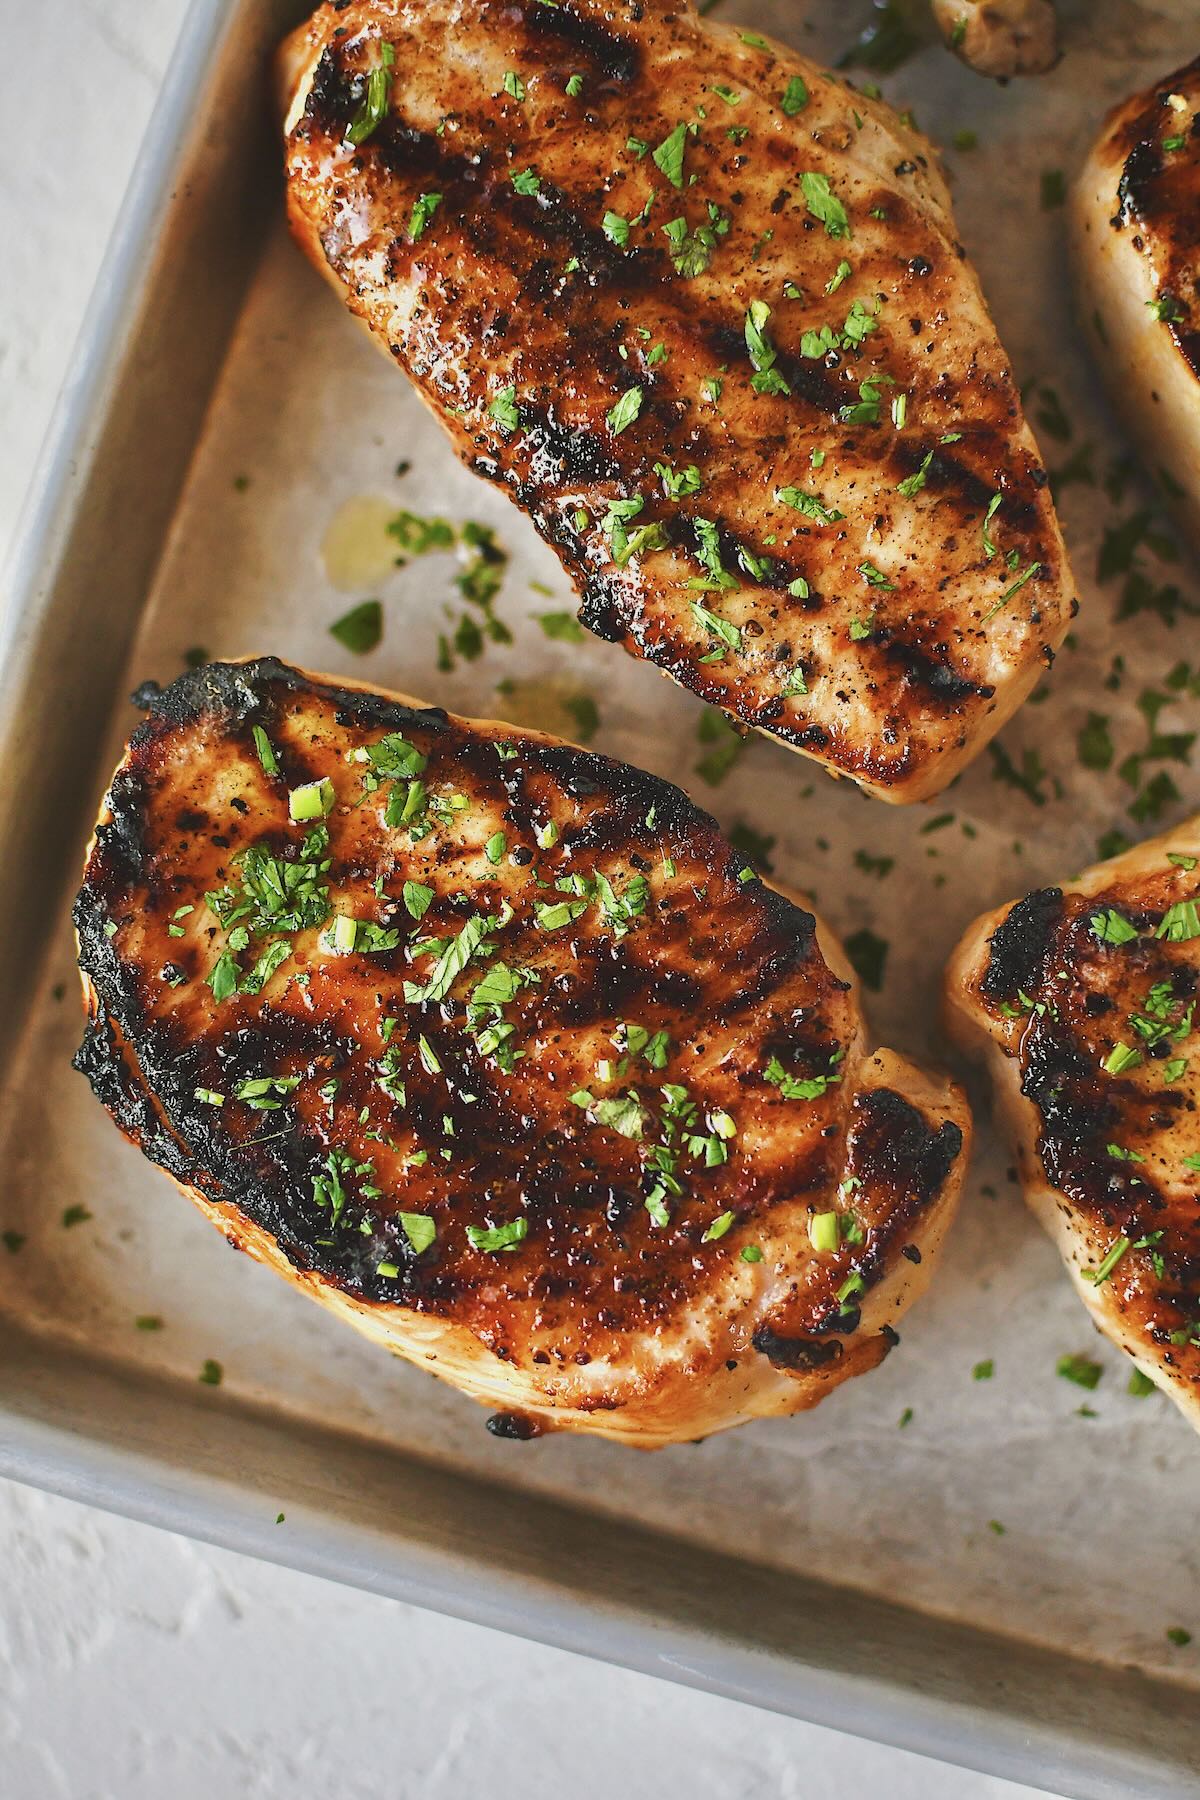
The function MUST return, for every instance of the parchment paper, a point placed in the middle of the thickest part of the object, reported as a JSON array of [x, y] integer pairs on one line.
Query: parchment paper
[[1099, 1551]]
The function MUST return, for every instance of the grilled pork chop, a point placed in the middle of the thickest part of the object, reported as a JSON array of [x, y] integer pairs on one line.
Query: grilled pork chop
[[1136, 248], [497, 1048], [1083, 998], [702, 310], [1000, 38]]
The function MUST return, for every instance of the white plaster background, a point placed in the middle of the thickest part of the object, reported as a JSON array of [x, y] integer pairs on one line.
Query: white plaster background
[[136, 1665]]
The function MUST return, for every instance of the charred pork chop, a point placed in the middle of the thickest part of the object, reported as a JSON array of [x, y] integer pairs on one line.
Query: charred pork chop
[[498, 1049], [1083, 998], [701, 309], [1136, 248]]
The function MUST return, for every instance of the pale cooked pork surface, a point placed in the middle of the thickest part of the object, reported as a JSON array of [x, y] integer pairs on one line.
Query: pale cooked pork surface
[[1000, 38], [701, 309], [500, 1051], [1083, 1000], [1135, 217]]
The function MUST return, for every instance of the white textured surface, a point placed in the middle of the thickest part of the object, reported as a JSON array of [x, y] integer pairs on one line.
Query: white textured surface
[[135, 1664]]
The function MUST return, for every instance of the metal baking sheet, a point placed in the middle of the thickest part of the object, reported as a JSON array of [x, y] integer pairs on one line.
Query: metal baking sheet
[[223, 413]]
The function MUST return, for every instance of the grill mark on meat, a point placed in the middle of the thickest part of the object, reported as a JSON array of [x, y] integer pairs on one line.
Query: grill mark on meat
[[614, 58], [1020, 945], [927, 672]]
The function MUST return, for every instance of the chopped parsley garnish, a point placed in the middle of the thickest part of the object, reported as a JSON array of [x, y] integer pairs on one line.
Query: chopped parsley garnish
[[1120, 1058], [625, 410], [1081, 1370], [994, 505], [800, 1087], [312, 800], [912, 484], [823, 1232], [868, 956], [616, 229], [728, 634], [563, 627], [574, 86], [266, 753], [278, 896], [1112, 927], [394, 757], [983, 1371], [417, 899], [372, 110], [766, 378], [670, 153], [211, 1372], [1180, 923], [423, 210], [266, 1093], [794, 97], [359, 630], [720, 1225], [513, 84], [1100, 1275], [453, 956], [878, 866], [419, 1229], [1094, 745], [808, 504], [692, 251], [1027, 778], [1053, 189], [1009, 592], [503, 408], [824, 204], [552, 915], [678, 484], [728, 744], [498, 1237], [525, 182]]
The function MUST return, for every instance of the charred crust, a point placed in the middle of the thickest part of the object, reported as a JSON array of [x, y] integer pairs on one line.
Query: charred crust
[[1018, 947], [796, 1354], [893, 1147], [931, 673], [515, 1427], [614, 59]]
